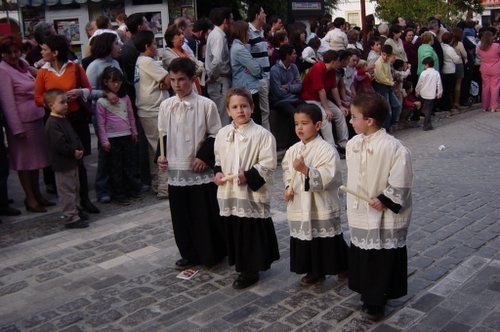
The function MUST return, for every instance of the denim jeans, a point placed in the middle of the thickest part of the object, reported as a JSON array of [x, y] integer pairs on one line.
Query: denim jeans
[[395, 107]]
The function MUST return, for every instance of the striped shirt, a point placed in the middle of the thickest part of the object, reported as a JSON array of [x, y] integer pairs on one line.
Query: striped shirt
[[258, 48]]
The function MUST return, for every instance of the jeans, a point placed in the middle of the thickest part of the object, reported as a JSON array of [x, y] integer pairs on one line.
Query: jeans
[[395, 107]]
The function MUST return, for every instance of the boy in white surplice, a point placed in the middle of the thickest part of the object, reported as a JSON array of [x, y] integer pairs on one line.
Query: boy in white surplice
[[378, 166], [317, 246]]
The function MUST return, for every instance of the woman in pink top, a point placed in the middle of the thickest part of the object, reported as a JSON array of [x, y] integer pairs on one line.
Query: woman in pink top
[[489, 52], [28, 151]]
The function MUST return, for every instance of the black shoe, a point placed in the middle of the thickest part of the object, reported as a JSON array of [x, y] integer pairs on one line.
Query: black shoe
[[83, 216], [77, 224], [8, 211], [245, 280], [88, 206], [372, 312], [121, 201], [183, 264]]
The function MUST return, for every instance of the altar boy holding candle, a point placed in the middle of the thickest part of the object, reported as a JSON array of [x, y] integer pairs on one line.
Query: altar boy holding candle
[[190, 122], [378, 167]]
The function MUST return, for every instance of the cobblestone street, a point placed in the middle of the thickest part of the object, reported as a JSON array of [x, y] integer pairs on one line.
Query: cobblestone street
[[118, 274]]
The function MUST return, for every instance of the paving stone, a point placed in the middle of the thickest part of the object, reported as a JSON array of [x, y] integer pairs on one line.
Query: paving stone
[[138, 304], [210, 314], [184, 326], [9, 328], [324, 302], [385, 328], [249, 325], [455, 327], [356, 325], [134, 293], [109, 247], [274, 313], [80, 256], [39, 319], [434, 273], [106, 257], [139, 317], [421, 262], [48, 327], [296, 301], [315, 326], [239, 315], [218, 325], [445, 287], [13, 288], [337, 314], [203, 290], [134, 246], [30, 264], [271, 299], [427, 302], [110, 281], [104, 318], [89, 245], [277, 327], [208, 301], [176, 315], [242, 299], [404, 318], [73, 328], [301, 316], [69, 319], [438, 317], [76, 266], [101, 305], [74, 305], [43, 277], [174, 302], [52, 265], [492, 320], [169, 291]]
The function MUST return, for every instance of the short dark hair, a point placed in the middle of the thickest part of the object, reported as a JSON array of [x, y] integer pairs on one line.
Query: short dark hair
[[428, 61], [170, 33], [373, 40], [272, 19], [398, 64], [41, 31], [134, 21], [330, 56], [447, 37], [338, 22], [372, 105], [312, 110], [344, 55], [113, 74], [202, 25], [102, 45], [387, 49], [102, 22], [142, 39], [50, 95], [394, 29], [219, 14], [315, 43], [285, 50], [60, 44], [253, 10], [278, 38], [183, 65]]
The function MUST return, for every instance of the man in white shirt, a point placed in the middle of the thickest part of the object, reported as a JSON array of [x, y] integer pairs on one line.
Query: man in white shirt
[[217, 62], [429, 88], [337, 38]]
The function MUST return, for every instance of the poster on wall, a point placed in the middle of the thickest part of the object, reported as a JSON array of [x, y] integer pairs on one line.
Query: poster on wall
[[154, 20], [69, 28]]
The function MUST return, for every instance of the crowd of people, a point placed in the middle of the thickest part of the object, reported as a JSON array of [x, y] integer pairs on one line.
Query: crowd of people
[[193, 124]]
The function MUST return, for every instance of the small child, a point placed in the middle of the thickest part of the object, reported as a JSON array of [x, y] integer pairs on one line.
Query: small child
[[190, 123], [65, 151], [245, 159], [317, 246], [310, 53], [378, 166], [429, 88], [384, 82], [411, 107], [399, 73], [374, 54], [117, 134], [362, 80]]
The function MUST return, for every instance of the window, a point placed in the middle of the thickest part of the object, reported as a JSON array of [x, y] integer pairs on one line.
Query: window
[[353, 17]]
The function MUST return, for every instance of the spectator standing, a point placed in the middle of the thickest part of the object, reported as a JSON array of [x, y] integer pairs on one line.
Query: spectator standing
[[28, 151], [425, 50], [489, 51], [258, 47], [429, 88], [336, 37], [450, 60], [396, 43]]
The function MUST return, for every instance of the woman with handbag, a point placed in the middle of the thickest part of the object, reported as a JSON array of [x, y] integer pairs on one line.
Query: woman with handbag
[[60, 73]]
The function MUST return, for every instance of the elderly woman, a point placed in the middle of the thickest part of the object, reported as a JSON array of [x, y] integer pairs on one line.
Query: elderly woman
[[411, 50], [425, 50], [451, 59], [60, 73], [397, 44], [28, 151], [174, 38], [245, 70]]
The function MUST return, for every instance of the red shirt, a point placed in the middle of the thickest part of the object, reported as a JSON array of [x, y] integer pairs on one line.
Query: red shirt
[[316, 79]]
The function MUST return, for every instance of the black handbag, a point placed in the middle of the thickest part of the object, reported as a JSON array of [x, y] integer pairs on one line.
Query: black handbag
[[85, 106]]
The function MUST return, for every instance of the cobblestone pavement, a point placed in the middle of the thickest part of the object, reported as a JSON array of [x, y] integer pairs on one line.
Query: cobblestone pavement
[[117, 275]]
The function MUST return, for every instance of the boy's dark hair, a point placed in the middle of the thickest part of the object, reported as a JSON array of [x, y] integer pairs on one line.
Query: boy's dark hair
[[102, 22], [50, 96], [312, 110], [330, 56], [315, 43], [202, 25], [60, 44], [428, 61], [387, 49], [407, 85], [344, 55], [354, 51], [238, 92], [398, 64], [113, 74], [372, 105], [183, 65], [134, 21], [338, 22], [102, 45], [253, 10], [284, 51], [394, 29], [219, 14], [373, 40], [142, 39]]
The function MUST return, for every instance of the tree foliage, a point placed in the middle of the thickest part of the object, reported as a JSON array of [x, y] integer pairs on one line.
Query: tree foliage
[[421, 10]]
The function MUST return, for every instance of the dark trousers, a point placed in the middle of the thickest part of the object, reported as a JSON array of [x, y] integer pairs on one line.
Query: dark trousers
[[79, 122], [121, 178], [101, 176], [256, 114], [448, 88], [427, 106], [388, 94]]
